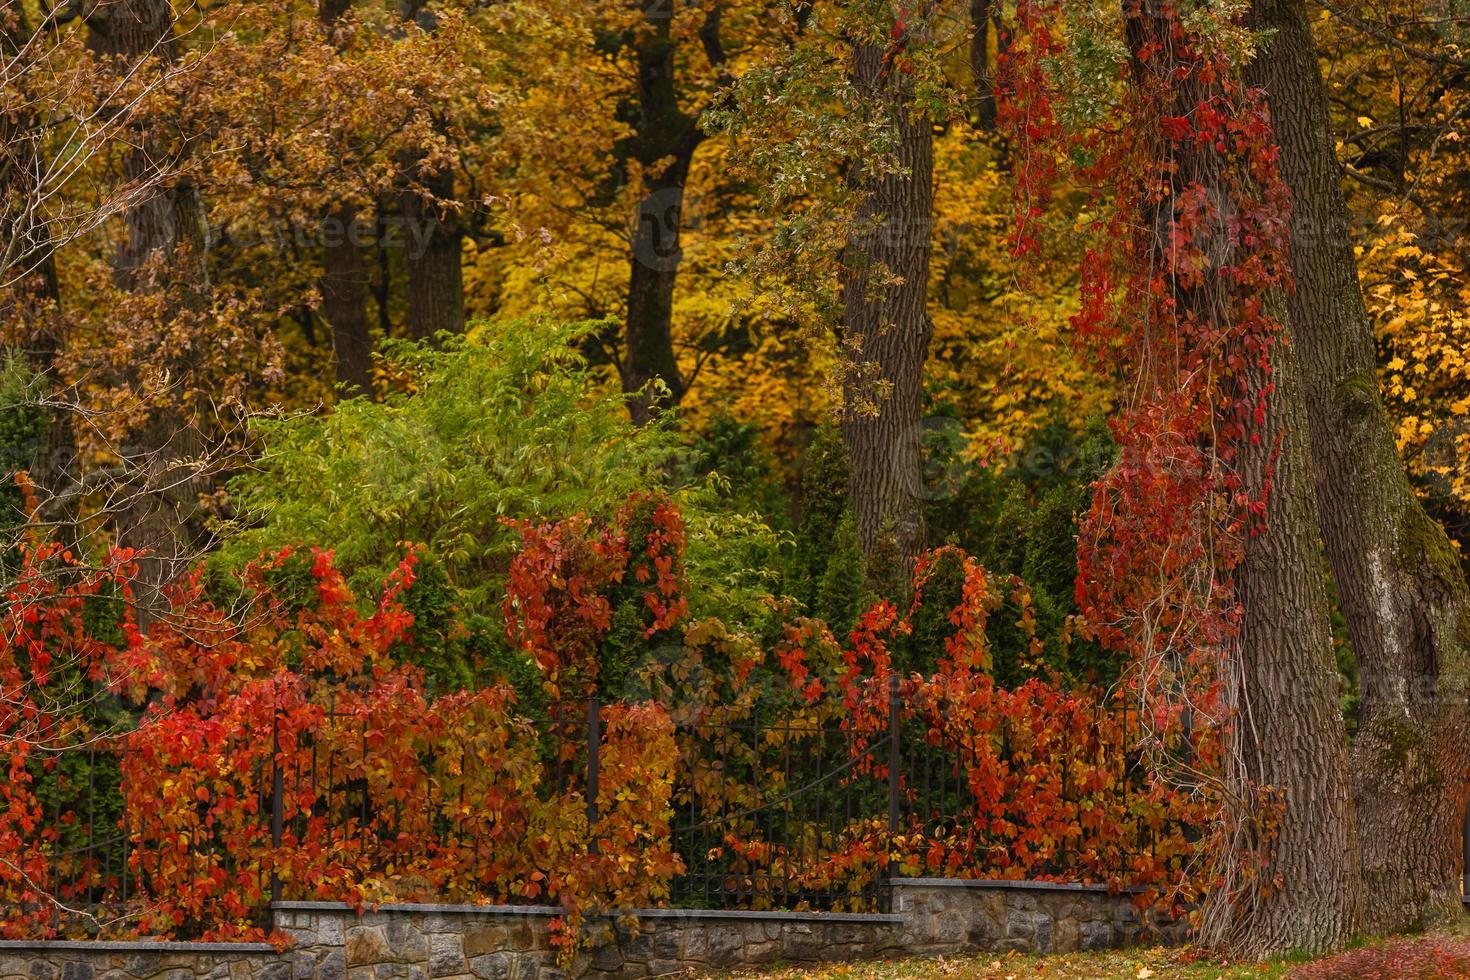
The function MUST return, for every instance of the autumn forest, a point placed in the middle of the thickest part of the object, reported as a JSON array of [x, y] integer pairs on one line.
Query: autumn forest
[[546, 418]]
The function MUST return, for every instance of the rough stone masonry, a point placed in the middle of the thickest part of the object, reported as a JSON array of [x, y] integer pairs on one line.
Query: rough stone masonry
[[930, 917]]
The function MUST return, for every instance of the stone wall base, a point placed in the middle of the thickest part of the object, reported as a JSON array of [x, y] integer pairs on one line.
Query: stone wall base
[[441, 942]]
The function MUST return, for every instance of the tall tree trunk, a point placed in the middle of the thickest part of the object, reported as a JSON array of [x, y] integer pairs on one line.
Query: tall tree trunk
[[163, 214], [1284, 739], [433, 236], [885, 282], [344, 287], [665, 138], [433, 243], [1286, 733], [28, 263], [1402, 589], [344, 284], [163, 252], [982, 100]]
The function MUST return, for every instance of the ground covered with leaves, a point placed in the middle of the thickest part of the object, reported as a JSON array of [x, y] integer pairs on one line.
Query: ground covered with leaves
[[1431, 957]]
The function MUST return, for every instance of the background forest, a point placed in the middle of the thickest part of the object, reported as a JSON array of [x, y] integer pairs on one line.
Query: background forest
[[820, 279], [223, 237]]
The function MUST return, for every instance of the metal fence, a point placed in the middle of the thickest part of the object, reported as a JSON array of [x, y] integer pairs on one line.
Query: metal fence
[[769, 810], [793, 793]]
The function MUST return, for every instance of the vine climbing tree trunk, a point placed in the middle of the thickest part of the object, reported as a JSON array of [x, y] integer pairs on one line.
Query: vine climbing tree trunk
[[1290, 878], [885, 282], [1402, 589]]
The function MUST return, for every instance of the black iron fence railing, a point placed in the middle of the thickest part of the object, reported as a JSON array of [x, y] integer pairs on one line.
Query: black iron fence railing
[[792, 807]]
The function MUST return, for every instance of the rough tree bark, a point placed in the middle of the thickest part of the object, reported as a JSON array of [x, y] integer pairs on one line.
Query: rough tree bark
[[1287, 733], [885, 282], [344, 287], [1284, 739], [665, 138], [1402, 589], [433, 241], [433, 235], [344, 283], [163, 251]]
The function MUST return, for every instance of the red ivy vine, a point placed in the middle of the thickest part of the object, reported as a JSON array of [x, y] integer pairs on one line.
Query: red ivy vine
[[1188, 250]]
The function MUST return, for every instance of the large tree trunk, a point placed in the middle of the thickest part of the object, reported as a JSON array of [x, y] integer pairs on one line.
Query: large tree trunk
[[1284, 738], [344, 288], [163, 252], [433, 235], [1401, 586], [163, 213], [664, 141], [649, 356], [1286, 733], [344, 284], [433, 241], [885, 284]]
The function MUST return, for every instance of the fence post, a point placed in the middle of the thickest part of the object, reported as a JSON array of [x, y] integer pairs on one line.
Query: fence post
[[278, 798], [594, 743], [895, 739]]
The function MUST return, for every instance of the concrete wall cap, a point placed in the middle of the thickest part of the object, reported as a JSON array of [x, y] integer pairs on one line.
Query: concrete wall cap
[[532, 910], [1010, 885], [549, 911], [135, 946]]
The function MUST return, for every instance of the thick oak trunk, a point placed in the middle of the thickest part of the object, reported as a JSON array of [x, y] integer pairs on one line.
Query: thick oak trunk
[[163, 251], [1286, 733], [433, 241], [665, 138], [344, 284], [884, 290], [1291, 876], [344, 289], [1401, 586]]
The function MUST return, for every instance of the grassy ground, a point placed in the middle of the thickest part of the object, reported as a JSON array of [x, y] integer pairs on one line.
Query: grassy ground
[[1440, 955], [1137, 964]]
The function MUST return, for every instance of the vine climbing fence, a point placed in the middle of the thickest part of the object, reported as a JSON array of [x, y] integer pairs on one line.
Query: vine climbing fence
[[806, 803]]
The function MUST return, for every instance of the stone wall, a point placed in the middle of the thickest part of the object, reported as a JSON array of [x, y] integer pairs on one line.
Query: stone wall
[[943, 915], [443, 942], [140, 961], [504, 943]]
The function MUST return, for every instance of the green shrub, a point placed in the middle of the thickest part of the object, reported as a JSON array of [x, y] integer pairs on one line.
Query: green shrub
[[841, 593], [747, 472], [1022, 519], [23, 423], [510, 423], [828, 571]]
